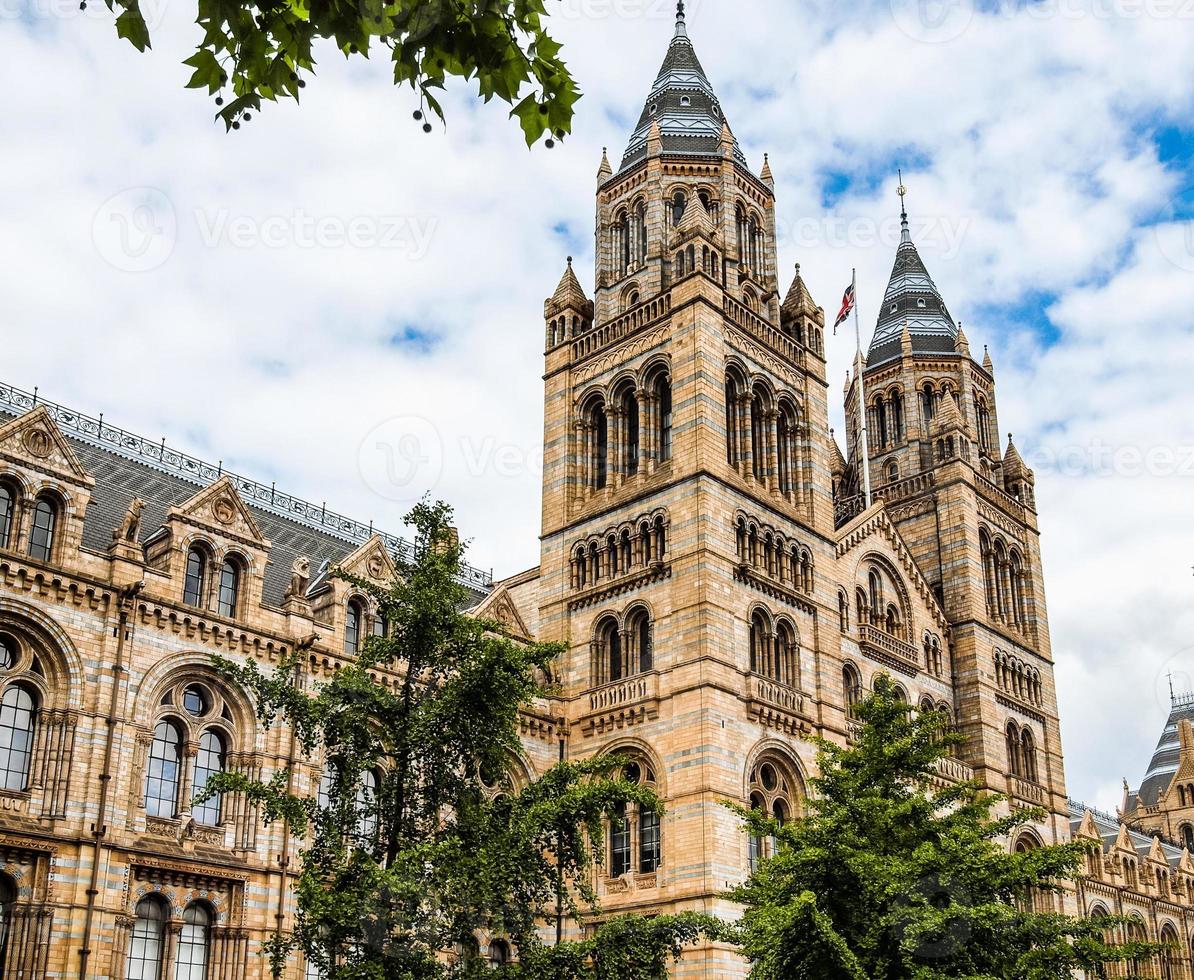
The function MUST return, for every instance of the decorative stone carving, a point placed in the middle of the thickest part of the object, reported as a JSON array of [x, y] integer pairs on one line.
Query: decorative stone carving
[[38, 442], [300, 576], [130, 527]]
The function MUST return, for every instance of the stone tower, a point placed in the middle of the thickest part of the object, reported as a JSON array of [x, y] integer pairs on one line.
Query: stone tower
[[968, 514]]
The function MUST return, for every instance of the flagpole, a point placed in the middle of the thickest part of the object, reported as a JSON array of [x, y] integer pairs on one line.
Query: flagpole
[[862, 412]]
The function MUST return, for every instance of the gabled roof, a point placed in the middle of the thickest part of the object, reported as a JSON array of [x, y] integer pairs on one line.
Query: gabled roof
[[683, 104], [911, 298]]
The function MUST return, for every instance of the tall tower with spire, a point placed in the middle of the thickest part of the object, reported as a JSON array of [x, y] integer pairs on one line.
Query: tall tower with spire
[[687, 512], [968, 513]]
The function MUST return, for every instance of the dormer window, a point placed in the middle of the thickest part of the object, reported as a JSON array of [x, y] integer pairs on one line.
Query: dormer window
[[229, 588], [196, 576], [894, 307], [685, 100], [41, 535], [654, 108], [921, 304]]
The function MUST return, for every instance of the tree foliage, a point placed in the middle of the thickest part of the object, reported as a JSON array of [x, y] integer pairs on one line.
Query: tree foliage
[[890, 876], [447, 846], [254, 50]]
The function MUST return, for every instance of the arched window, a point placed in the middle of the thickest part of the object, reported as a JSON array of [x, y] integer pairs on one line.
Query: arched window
[[892, 471], [787, 656], [352, 627], [17, 718], [161, 778], [193, 941], [599, 424], [1028, 756], [208, 762], [928, 402], [1012, 740], [758, 435], [229, 588], [1187, 835], [630, 431], [8, 896], [852, 687], [679, 202], [1170, 969], [499, 952], [638, 632], [608, 652], [734, 451], [634, 830], [843, 611], [366, 801], [760, 644], [875, 595], [381, 624], [619, 842], [776, 791], [41, 535], [787, 455], [7, 506], [196, 577], [879, 414], [663, 408], [148, 940], [896, 414]]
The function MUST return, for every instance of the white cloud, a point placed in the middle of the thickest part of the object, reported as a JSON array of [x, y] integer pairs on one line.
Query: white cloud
[[1025, 138]]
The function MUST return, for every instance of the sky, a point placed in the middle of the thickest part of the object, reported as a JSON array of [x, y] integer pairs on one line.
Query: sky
[[335, 301]]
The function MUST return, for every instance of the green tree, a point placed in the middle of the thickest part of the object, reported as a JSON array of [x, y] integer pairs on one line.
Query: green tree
[[890, 876], [250, 50], [417, 839]]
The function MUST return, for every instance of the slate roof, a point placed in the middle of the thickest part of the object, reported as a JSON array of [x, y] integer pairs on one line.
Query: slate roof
[[1108, 828], [684, 104], [911, 298], [127, 466], [1165, 756]]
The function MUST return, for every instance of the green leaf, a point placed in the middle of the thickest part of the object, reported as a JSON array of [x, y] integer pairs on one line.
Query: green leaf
[[130, 25]]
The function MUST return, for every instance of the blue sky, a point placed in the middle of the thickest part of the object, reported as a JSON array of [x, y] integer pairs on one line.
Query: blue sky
[[330, 278]]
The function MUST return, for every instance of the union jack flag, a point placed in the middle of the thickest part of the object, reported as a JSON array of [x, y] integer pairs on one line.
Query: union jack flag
[[847, 306]]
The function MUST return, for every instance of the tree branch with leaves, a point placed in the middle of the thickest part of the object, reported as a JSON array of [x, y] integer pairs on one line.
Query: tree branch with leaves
[[255, 50]]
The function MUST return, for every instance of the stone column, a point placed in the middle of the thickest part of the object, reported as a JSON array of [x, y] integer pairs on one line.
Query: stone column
[[748, 463]]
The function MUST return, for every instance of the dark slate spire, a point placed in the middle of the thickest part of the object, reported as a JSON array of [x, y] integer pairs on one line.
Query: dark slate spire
[[911, 298], [683, 103]]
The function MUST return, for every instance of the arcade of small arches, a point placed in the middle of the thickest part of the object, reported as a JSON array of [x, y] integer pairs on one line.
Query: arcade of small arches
[[163, 944], [625, 429], [1016, 677], [774, 648], [764, 433], [1006, 580], [622, 645], [769, 552], [1174, 962], [885, 422], [629, 547], [854, 692], [30, 518]]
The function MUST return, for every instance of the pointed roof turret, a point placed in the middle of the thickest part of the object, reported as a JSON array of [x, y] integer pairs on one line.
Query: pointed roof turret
[[695, 217], [948, 416], [605, 170], [988, 364], [911, 297], [1013, 463], [799, 299], [1167, 756], [569, 293], [765, 174], [683, 103]]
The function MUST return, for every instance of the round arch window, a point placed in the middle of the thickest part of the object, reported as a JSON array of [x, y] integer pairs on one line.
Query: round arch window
[[196, 701], [8, 652]]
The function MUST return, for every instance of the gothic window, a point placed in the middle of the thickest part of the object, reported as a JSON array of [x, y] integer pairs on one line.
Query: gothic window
[[635, 833], [879, 414], [622, 242], [663, 408], [17, 719], [1028, 756], [928, 403], [852, 688], [41, 535], [619, 842], [352, 627], [735, 453], [787, 453], [679, 201], [758, 435], [630, 432], [1014, 758], [862, 607], [148, 940], [896, 414], [499, 953], [366, 805], [787, 655], [608, 651], [7, 506], [891, 620], [1170, 966], [209, 762], [229, 598], [640, 232], [8, 897], [600, 427], [193, 941], [776, 791], [875, 594], [162, 776], [1187, 837], [638, 635], [196, 576], [760, 644], [892, 471]]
